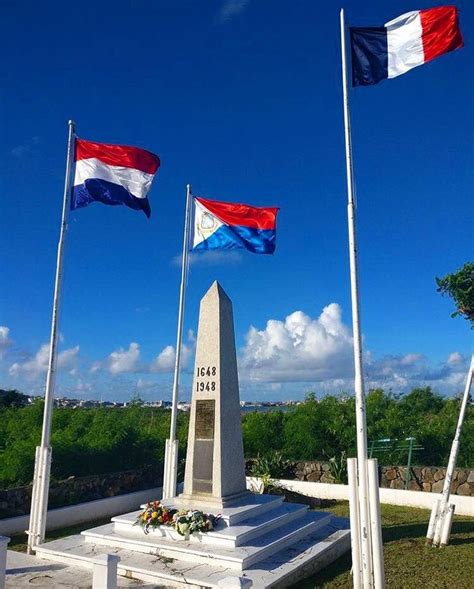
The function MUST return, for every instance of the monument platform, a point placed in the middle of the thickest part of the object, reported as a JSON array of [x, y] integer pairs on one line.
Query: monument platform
[[270, 542]]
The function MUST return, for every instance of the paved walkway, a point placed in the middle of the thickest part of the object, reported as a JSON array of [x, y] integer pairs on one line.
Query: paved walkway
[[24, 570]]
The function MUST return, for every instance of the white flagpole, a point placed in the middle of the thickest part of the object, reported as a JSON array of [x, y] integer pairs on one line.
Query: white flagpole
[[366, 552], [171, 449], [39, 500], [441, 509]]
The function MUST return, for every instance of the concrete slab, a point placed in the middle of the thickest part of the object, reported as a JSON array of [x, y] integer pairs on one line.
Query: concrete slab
[[282, 569], [24, 570]]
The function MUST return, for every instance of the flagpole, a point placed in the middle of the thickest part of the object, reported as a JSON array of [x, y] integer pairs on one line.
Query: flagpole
[[39, 500], [171, 449], [442, 508], [361, 426]]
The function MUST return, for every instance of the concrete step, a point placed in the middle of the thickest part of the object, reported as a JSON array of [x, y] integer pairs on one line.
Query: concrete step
[[237, 558], [250, 506], [222, 535], [284, 568]]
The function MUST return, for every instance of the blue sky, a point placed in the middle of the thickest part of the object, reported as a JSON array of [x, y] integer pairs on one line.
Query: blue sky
[[242, 99]]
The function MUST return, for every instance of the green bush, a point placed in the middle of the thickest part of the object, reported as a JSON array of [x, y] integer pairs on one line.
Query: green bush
[[94, 441], [84, 441]]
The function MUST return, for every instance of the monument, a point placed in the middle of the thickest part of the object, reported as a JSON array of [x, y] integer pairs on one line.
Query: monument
[[215, 466], [259, 540]]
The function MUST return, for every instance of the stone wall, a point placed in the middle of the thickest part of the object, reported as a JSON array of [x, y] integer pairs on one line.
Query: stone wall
[[422, 478], [73, 490]]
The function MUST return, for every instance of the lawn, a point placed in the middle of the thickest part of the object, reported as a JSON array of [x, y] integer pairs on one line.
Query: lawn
[[409, 564]]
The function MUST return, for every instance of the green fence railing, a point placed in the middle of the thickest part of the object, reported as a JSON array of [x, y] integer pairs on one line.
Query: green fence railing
[[396, 448]]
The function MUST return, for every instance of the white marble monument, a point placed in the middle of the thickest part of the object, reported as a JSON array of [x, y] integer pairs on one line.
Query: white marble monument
[[215, 466], [260, 541]]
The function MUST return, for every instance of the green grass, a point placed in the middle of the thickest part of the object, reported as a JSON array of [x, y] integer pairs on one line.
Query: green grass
[[409, 563]]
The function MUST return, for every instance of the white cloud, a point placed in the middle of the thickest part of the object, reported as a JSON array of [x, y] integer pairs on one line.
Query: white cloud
[[401, 373], [82, 386], [410, 359], [299, 349], [146, 385], [165, 360], [123, 360], [68, 357], [38, 365], [95, 367], [4, 339], [455, 358], [319, 353], [231, 8]]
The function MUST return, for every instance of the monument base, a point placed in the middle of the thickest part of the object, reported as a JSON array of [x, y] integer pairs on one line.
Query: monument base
[[271, 543], [208, 503]]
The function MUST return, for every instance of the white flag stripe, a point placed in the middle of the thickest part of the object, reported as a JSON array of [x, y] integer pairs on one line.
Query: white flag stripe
[[138, 183], [205, 223], [404, 43]]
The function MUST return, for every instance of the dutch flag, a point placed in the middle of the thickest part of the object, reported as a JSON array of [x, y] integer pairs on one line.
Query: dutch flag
[[113, 175], [406, 42]]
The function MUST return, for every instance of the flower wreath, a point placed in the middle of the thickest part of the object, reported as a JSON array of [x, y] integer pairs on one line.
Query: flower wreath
[[183, 521]]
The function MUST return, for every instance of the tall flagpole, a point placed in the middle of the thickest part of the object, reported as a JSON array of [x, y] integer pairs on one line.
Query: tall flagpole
[[366, 552], [442, 513], [171, 448], [39, 500]]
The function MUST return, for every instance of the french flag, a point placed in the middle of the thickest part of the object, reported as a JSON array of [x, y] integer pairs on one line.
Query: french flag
[[113, 175], [406, 42], [225, 225]]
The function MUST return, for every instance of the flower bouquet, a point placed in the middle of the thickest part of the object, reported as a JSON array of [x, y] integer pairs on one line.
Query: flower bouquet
[[154, 515], [184, 522], [193, 521]]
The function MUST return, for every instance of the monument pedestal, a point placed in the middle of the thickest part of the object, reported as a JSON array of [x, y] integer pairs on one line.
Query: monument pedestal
[[271, 543]]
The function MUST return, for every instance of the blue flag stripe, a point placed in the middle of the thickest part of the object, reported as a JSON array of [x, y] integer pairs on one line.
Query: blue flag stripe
[[257, 241], [95, 190], [369, 50]]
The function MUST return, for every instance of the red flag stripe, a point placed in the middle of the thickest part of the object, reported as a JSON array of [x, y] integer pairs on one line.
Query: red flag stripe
[[440, 31], [118, 155], [242, 215]]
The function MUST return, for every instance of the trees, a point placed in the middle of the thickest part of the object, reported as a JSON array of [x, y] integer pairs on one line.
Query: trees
[[262, 432], [98, 440], [460, 287], [12, 398]]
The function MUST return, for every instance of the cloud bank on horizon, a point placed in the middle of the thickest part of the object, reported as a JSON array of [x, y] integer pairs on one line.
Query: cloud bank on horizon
[[284, 359]]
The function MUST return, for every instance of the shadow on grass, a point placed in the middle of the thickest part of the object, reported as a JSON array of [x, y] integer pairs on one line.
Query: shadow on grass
[[338, 572], [413, 531]]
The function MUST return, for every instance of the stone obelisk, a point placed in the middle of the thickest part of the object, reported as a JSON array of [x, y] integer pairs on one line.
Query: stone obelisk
[[215, 467]]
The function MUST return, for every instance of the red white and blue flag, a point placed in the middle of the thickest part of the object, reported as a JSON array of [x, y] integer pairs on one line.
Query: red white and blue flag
[[225, 225], [405, 42], [113, 175]]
